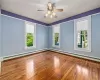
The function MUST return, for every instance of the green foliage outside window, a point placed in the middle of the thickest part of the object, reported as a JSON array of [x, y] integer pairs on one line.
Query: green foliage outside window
[[30, 39], [83, 39], [56, 37]]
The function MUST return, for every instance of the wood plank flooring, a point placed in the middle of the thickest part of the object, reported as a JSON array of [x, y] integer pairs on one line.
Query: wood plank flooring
[[50, 66]]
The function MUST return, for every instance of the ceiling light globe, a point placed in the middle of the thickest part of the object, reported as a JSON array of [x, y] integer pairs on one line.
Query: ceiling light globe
[[46, 15], [49, 12], [51, 16]]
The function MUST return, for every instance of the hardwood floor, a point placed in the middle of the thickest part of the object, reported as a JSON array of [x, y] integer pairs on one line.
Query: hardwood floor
[[50, 66]]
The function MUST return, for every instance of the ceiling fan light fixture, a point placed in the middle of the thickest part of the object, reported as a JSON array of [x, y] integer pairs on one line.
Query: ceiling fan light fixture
[[46, 15], [49, 4], [51, 16], [49, 12], [53, 13]]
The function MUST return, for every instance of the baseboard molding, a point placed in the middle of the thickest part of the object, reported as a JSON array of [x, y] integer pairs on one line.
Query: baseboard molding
[[1, 59], [76, 55], [55, 50], [23, 54]]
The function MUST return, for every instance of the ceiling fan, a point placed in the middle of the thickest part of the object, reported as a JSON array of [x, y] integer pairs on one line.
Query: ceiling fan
[[51, 10]]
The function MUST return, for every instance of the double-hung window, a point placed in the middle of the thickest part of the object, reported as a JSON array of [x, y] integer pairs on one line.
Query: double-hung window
[[82, 34], [30, 37], [56, 35]]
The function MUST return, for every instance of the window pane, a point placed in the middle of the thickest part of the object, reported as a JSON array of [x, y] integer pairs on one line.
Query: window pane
[[82, 39], [56, 29], [82, 34], [30, 39], [79, 41], [30, 34], [56, 37], [82, 25], [29, 28]]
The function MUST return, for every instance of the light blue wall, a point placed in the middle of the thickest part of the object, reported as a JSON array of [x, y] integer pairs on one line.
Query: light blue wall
[[67, 38], [13, 36], [0, 33]]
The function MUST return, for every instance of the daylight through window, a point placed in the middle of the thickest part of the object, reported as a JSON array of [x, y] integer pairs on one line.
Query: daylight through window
[[56, 35], [30, 35], [83, 34]]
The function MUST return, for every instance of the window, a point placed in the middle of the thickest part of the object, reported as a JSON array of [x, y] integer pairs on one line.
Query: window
[[30, 35], [56, 35], [82, 34]]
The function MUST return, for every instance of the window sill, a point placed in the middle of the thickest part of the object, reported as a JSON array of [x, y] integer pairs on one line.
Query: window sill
[[30, 47], [85, 50], [56, 46]]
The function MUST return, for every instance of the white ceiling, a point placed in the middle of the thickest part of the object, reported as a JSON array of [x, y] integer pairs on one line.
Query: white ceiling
[[28, 8]]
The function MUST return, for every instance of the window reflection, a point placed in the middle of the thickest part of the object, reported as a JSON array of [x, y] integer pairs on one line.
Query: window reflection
[[29, 69], [82, 70], [56, 64]]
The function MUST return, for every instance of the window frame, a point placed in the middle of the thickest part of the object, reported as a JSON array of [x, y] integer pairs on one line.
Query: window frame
[[53, 42], [34, 42], [89, 34]]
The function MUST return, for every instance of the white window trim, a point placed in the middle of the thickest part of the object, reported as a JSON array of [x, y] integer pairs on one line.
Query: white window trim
[[89, 34], [34, 46], [53, 43]]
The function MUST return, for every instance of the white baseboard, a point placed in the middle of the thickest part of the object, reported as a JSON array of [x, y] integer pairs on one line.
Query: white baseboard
[[51, 49], [76, 55], [1, 59], [23, 54]]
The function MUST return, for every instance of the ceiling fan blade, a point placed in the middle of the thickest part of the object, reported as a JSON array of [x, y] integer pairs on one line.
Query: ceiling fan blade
[[40, 10], [59, 10]]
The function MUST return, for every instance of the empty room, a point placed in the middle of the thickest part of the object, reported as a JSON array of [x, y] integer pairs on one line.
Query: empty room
[[49, 39]]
